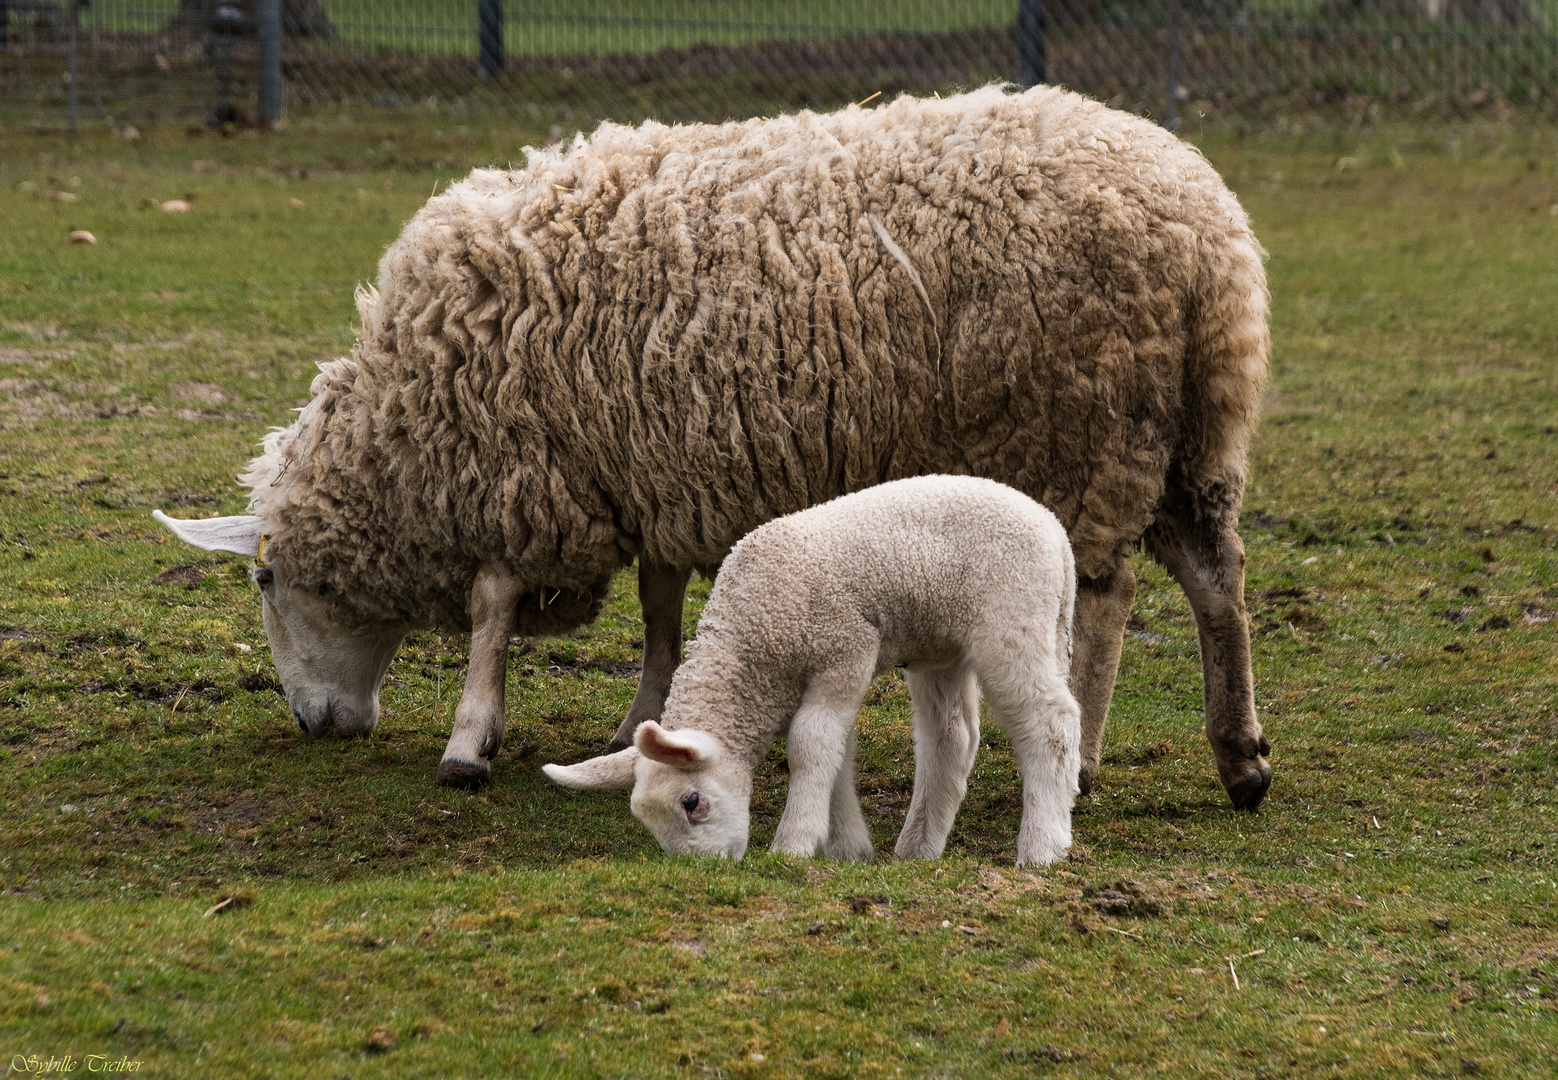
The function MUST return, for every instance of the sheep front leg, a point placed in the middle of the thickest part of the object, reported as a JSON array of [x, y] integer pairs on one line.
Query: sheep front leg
[[662, 593], [479, 720]]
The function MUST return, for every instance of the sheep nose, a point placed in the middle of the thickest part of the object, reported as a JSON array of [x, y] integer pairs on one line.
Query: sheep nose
[[299, 718]]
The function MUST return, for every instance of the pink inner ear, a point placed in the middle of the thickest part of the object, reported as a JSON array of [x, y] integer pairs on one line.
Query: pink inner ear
[[668, 754], [659, 745]]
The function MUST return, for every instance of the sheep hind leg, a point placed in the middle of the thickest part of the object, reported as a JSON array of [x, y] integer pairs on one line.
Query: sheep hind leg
[[946, 738], [1043, 722], [1098, 630], [662, 593], [1206, 557]]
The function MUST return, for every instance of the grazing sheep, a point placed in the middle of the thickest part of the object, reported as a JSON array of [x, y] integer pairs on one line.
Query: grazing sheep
[[653, 341], [967, 583]]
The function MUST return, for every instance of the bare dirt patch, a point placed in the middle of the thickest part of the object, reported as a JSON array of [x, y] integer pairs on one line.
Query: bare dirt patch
[[188, 576], [202, 392]]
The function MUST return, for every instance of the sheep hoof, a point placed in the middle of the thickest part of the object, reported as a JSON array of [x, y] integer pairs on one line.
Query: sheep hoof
[[1085, 779], [624, 736], [1248, 787], [466, 775]]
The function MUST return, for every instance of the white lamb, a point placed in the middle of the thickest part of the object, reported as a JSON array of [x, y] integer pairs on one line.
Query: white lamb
[[967, 583]]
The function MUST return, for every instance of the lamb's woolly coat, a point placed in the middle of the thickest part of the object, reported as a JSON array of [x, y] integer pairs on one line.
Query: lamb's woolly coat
[[957, 579], [662, 337], [924, 573]]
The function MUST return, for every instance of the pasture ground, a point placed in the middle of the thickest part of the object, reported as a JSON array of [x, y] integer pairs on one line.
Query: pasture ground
[[1390, 911]]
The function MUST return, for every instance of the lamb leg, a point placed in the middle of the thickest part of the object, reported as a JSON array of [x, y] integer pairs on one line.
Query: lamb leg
[[820, 748], [946, 740], [479, 720], [1041, 718], [662, 592], [849, 837]]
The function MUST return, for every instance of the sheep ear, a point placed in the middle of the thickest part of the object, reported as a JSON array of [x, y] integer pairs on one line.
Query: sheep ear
[[239, 535], [606, 771], [679, 749]]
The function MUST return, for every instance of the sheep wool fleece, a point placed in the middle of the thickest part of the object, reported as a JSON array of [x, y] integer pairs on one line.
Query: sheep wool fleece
[[660, 337]]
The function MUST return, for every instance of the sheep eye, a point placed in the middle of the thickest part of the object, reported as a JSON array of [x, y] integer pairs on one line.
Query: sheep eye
[[264, 576], [690, 801]]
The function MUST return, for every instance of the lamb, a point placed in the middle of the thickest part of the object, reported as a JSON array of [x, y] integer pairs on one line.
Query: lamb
[[651, 342], [966, 582]]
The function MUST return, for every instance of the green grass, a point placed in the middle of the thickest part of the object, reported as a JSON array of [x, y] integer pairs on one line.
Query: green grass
[[1389, 912]]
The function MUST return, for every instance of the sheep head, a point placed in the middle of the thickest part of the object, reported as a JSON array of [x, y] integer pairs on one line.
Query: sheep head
[[330, 668], [687, 790]]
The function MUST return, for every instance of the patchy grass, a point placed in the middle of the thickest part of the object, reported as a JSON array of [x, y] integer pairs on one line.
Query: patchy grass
[[1389, 912]]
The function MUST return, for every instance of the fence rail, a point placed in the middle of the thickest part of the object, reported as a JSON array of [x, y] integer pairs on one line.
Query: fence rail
[[150, 62]]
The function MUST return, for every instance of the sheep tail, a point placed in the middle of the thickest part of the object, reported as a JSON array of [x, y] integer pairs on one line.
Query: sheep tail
[[1225, 372]]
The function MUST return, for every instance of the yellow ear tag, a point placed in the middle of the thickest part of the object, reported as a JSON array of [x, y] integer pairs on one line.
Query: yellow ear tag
[[259, 556]]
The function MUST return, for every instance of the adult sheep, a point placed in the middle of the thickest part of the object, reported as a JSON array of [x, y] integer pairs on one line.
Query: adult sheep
[[653, 341]]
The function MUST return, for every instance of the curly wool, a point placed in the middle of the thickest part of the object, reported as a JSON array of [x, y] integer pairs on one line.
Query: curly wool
[[659, 338]]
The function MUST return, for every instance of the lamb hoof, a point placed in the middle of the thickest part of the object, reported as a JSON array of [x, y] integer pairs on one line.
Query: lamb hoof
[[466, 775], [1248, 786], [618, 743], [851, 853], [1085, 779]]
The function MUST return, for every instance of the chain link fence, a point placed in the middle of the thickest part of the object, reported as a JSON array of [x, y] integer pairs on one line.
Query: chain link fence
[[1281, 63]]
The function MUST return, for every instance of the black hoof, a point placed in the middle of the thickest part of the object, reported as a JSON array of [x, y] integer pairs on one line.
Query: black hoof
[[465, 775], [618, 743], [1085, 779], [1247, 790]]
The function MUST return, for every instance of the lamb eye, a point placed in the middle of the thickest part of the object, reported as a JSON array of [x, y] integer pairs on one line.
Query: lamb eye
[[690, 801]]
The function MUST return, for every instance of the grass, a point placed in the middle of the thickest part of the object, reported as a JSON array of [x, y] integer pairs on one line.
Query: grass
[[1389, 912], [604, 27]]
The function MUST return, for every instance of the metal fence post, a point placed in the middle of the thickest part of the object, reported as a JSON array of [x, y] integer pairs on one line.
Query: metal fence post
[[490, 26], [75, 61], [268, 13], [1030, 41], [5, 23], [1173, 80]]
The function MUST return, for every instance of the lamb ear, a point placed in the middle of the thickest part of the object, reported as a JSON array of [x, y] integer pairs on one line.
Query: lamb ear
[[680, 749], [239, 535], [606, 771]]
